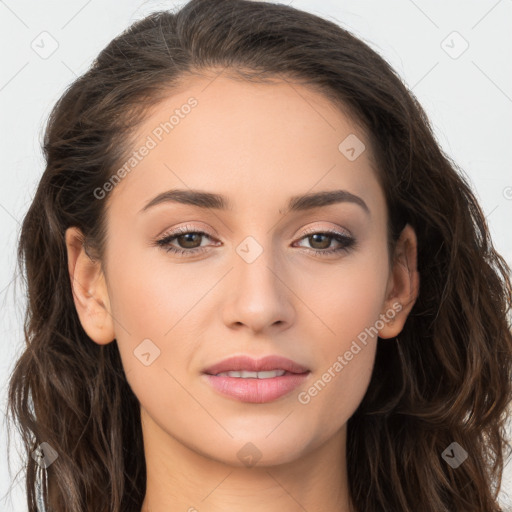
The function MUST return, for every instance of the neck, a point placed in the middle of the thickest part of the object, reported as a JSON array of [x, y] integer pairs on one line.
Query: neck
[[181, 479]]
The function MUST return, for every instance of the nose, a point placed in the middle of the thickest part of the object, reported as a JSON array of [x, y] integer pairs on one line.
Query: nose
[[259, 294]]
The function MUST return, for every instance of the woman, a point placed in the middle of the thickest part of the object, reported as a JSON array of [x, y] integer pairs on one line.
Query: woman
[[255, 282]]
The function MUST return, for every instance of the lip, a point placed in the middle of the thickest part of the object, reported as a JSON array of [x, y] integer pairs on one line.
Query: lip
[[272, 362], [254, 390]]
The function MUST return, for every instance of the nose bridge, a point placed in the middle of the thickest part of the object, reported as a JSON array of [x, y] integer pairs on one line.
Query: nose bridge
[[259, 298], [256, 264]]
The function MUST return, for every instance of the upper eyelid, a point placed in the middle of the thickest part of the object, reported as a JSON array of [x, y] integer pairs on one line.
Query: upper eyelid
[[328, 232], [195, 229], [331, 231], [184, 229]]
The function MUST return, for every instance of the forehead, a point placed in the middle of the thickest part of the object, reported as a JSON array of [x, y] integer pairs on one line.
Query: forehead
[[254, 141]]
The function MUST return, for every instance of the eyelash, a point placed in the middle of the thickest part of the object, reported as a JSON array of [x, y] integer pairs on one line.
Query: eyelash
[[347, 242]]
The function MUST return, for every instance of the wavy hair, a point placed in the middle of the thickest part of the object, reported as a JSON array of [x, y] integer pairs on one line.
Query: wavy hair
[[447, 379]]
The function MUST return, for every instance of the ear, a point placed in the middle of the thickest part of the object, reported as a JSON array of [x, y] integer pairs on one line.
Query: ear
[[89, 288], [403, 284]]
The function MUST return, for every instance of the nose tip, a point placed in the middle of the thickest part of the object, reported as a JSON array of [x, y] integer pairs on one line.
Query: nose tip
[[259, 298]]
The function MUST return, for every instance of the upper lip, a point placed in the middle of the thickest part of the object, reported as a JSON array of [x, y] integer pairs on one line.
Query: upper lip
[[272, 362]]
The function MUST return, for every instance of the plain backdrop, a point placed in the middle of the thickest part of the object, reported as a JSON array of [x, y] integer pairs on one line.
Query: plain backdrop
[[456, 56]]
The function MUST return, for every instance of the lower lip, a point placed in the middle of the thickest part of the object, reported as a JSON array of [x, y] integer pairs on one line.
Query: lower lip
[[257, 391]]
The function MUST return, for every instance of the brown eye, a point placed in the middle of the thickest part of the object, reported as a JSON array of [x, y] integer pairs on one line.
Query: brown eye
[[184, 241], [320, 242], [317, 242], [189, 240]]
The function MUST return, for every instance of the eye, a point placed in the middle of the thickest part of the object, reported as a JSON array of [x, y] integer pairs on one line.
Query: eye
[[321, 241], [185, 236], [190, 242]]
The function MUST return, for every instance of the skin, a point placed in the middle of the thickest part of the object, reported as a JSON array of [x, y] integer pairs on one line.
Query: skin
[[257, 144]]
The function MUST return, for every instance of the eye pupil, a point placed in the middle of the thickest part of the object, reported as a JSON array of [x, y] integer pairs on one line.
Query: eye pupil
[[325, 244], [188, 238]]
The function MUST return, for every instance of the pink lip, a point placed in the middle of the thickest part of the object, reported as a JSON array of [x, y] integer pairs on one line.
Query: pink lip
[[237, 363], [256, 390]]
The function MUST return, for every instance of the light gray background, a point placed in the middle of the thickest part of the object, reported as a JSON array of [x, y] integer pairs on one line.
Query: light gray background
[[468, 99]]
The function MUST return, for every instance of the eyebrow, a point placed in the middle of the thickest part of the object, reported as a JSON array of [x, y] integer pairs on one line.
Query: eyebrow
[[203, 199]]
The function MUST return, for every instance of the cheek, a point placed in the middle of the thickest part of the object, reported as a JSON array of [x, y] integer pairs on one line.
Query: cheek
[[348, 305], [345, 298], [150, 294], [152, 305], [335, 393], [351, 310]]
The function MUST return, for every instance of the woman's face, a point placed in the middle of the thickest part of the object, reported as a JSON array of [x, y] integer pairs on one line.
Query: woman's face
[[259, 282]]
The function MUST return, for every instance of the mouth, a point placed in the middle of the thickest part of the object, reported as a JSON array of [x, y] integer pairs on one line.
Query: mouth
[[245, 374], [256, 381], [249, 367]]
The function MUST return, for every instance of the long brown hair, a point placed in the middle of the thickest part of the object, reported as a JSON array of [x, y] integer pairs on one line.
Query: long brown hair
[[447, 378]]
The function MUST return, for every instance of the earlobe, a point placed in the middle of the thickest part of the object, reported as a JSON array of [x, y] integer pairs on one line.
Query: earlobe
[[89, 289], [403, 284]]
